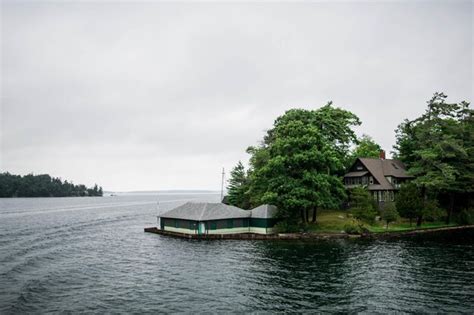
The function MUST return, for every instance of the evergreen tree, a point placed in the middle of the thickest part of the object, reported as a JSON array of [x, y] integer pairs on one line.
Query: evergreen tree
[[437, 147], [237, 188], [409, 202], [362, 205], [389, 213]]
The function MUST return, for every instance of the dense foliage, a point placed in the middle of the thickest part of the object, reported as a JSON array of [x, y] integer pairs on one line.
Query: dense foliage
[[42, 186], [366, 148], [389, 213], [362, 205], [438, 149], [409, 203], [237, 188], [299, 163]]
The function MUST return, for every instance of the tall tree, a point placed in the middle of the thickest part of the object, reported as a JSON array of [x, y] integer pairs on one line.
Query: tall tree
[[237, 188], [298, 165], [409, 203], [437, 148]]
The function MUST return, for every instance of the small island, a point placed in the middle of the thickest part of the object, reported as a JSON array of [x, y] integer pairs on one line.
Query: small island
[[43, 186], [324, 180]]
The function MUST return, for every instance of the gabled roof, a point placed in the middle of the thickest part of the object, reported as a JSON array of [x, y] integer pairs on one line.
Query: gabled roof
[[203, 211], [264, 212], [379, 168]]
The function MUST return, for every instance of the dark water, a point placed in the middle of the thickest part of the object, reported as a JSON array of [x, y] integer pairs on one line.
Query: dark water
[[91, 255]]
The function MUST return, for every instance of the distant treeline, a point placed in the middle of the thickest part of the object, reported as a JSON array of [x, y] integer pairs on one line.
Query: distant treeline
[[42, 186]]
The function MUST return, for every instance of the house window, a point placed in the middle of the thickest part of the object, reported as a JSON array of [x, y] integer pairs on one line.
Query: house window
[[359, 168], [392, 196], [375, 195], [380, 195], [213, 225], [176, 223], [230, 223], [371, 180]]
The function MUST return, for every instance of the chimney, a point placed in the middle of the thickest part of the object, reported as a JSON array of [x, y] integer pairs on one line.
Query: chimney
[[382, 155]]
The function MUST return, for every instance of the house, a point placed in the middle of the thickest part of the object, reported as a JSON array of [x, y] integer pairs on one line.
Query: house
[[217, 218], [381, 176]]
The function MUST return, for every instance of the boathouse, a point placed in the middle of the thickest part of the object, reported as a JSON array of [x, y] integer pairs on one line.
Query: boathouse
[[217, 218]]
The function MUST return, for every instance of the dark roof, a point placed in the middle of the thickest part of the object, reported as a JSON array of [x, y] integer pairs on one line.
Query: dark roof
[[379, 168]]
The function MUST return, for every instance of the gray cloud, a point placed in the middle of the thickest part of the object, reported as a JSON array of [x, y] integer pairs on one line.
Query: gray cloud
[[160, 95]]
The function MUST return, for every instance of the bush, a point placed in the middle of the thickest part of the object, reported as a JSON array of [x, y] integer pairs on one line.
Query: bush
[[352, 228], [432, 212], [466, 217]]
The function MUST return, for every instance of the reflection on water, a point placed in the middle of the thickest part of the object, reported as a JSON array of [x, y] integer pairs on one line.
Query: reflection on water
[[90, 254]]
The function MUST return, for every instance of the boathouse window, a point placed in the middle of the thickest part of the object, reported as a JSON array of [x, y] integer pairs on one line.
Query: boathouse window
[[230, 223], [176, 223]]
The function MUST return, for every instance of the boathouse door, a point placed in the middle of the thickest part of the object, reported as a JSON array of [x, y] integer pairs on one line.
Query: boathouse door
[[202, 228]]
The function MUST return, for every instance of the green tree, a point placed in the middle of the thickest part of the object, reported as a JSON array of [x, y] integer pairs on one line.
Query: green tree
[[362, 205], [366, 148], [41, 186], [409, 202], [437, 147], [237, 188], [389, 213], [298, 165]]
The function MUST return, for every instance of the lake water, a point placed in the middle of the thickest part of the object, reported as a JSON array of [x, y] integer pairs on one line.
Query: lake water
[[91, 255]]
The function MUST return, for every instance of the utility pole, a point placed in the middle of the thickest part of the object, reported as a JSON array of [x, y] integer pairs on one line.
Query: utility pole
[[222, 184]]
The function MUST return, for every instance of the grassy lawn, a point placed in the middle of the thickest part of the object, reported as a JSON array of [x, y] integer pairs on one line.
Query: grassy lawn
[[333, 221], [329, 221]]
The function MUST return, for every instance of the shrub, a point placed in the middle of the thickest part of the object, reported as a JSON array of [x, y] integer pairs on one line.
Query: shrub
[[432, 212], [466, 216], [352, 228]]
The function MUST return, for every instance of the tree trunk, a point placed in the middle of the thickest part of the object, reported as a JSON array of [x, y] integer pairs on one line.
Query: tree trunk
[[307, 215], [303, 219], [315, 209], [450, 208], [418, 221]]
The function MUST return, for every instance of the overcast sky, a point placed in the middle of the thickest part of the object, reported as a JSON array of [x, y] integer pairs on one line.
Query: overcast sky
[[162, 96]]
